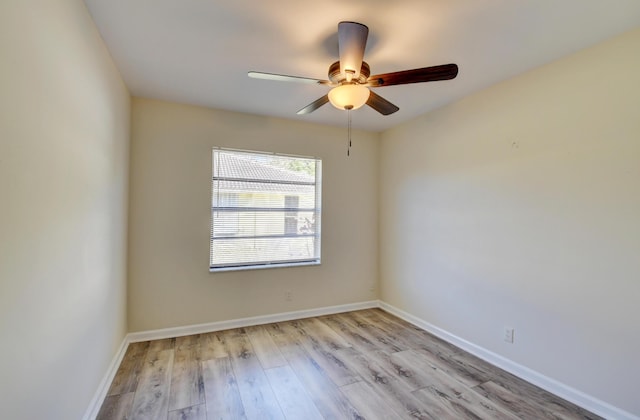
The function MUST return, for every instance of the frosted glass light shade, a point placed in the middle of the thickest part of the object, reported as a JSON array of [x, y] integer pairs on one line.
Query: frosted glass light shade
[[346, 96]]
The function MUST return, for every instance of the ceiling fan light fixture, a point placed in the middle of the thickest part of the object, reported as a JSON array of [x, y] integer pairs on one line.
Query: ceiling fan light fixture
[[349, 96]]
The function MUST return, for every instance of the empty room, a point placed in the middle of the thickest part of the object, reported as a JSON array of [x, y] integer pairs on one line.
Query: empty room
[[217, 209]]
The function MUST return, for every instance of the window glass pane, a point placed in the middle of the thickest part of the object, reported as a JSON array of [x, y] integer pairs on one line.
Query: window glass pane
[[259, 166], [263, 250], [257, 194], [291, 217], [265, 209], [262, 223]]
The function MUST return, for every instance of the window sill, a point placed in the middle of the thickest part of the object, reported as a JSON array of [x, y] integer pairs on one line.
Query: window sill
[[262, 266]]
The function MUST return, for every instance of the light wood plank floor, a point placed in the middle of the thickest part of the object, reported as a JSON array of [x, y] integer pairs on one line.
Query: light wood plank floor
[[357, 365]]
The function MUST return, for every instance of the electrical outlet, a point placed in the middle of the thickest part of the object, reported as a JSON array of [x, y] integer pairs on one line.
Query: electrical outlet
[[508, 334], [288, 296]]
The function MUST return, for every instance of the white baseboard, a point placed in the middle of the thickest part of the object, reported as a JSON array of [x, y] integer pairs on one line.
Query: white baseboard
[[247, 322], [103, 388], [573, 395]]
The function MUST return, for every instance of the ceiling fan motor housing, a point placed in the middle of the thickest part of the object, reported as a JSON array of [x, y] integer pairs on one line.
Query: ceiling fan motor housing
[[337, 78]]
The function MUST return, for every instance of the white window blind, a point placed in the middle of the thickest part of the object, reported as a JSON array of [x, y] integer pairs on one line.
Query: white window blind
[[265, 210]]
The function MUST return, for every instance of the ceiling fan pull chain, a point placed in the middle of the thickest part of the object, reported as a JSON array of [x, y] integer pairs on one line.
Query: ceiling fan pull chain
[[348, 131]]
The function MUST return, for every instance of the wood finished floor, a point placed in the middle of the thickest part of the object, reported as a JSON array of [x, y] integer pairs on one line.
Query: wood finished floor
[[357, 365]]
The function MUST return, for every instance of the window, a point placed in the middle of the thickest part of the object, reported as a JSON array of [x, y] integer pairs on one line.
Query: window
[[265, 210]]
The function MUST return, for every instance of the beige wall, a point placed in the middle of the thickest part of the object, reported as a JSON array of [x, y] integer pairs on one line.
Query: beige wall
[[520, 206], [64, 134], [169, 281]]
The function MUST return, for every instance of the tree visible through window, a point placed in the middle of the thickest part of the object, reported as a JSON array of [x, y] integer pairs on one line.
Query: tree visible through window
[[265, 210]]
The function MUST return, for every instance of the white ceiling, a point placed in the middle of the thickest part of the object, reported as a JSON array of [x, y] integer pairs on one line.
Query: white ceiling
[[199, 51]]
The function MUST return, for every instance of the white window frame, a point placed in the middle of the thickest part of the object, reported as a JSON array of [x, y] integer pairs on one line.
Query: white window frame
[[217, 179]]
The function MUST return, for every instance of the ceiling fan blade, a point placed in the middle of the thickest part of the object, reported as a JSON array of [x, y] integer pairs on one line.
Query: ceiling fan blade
[[352, 40], [425, 74], [380, 104], [286, 78], [314, 105]]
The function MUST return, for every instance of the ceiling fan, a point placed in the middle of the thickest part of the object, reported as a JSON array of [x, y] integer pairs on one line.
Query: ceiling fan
[[350, 77]]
